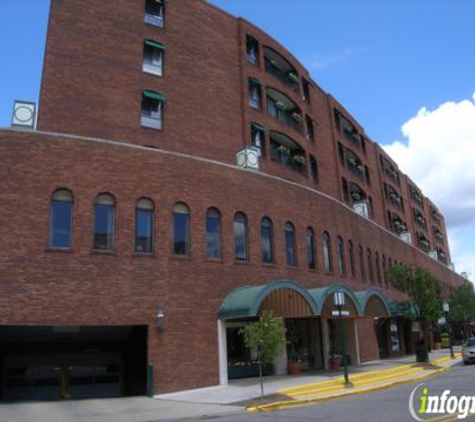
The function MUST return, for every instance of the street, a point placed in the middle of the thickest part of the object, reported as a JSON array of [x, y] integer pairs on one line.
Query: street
[[389, 405]]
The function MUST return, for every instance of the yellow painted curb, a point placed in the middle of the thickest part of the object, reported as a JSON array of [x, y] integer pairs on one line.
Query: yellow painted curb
[[291, 403]]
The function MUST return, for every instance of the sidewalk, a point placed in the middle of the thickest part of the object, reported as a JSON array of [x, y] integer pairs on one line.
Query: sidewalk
[[247, 389]]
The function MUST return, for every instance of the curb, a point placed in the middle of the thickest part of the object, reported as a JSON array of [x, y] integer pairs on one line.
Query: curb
[[292, 403]]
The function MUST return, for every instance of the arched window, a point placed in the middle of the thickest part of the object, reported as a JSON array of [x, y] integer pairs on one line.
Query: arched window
[[327, 254], [290, 252], [341, 256], [310, 240], [104, 222], [267, 240], [181, 229], [361, 264], [144, 225], [378, 269], [390, 262], [61, 219], [384, 275], [240, 237], [370, 264], [351, 256], [213, 233]]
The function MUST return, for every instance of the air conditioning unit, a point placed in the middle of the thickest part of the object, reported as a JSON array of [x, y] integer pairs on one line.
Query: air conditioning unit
[[361, 208], [433, 254], [248, 158], [406, 237]]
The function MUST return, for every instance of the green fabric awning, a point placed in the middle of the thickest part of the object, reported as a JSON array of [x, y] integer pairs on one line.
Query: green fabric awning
[[254, 81], [258, 126], [364, 297], [403, 309], [321, 294], [154, 44], [154, 95]]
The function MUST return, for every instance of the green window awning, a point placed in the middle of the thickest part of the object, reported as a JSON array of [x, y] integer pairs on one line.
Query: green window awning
[[254, 81], [154, 95], [258, 126], [154, 44]]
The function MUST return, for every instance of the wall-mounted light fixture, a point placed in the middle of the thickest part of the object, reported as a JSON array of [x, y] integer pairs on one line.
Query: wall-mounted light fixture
[[160, 318]]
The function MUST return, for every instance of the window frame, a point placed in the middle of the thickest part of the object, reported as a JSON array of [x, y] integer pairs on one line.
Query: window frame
[[241, 218], [217, 216], [70, 201], [157, 20], [270, 228], [310, 247], [290, 235], [149, 66], [151, 210], [183, 209], [110, 243], [327, 253]]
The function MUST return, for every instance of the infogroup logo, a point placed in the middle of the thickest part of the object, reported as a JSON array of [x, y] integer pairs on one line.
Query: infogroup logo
[[423, 405]]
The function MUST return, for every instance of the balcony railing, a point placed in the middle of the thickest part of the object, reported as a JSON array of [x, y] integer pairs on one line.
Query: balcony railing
[[294, 120], [295, 162], [284, 77]]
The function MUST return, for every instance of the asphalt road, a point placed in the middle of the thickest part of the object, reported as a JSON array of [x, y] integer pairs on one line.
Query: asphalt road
[[389, 405]]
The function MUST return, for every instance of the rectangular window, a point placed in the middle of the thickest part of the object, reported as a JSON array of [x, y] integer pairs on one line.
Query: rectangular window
[[153, 54], [254, 93], [155, 12], [310, 132], [143, 230], [240, 239], [313, 169], [252, 50], [152, 110], [258, 138], [306, 90]]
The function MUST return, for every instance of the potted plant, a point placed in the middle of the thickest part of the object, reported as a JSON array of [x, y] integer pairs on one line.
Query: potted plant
[[293, 77], [294, 364], [297, 117], [300, 159]]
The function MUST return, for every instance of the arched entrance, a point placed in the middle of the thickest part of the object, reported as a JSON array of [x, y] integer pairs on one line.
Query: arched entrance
[[286, 299]]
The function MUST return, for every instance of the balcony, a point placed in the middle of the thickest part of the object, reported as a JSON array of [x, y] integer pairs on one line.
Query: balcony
[[281, 68], [349, 130], [283, 109], [423, 243], [420, 220], [438, 236], [390, 170], [435, 216], [286, 152], [351, 161], [416, 197]]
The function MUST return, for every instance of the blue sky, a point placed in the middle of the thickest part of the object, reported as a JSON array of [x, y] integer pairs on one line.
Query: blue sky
[[393, 63]]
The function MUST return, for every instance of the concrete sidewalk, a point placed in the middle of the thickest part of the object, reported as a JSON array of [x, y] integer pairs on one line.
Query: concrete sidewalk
[[249, 388]]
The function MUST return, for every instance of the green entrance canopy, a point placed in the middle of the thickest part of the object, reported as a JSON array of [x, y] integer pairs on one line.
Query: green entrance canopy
[[403, 309], [245, 301], [365, 295], [321, 294]]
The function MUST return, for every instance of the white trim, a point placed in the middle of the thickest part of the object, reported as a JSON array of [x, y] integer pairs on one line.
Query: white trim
[[357, 342], [223, 353]]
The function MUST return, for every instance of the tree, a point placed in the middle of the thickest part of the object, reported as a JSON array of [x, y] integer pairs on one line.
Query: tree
[[423, 290], [267, 337], [462, 306]]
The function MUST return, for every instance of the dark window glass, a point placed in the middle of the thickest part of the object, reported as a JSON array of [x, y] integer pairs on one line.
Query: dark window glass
[[310, 237], [384, 275], [327, 255], [240, 237], [267, 240], [61, 214], [313, 169], [351, 256], [153, 60], [361, 263], [144, 226], [378, 269], [290, 245], [104, 221], [154, 12], [152, 113], [341, 256], [370, 265], [213, 233], [181, 230]]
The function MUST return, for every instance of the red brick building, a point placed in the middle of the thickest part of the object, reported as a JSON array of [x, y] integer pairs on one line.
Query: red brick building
[[180, 155]]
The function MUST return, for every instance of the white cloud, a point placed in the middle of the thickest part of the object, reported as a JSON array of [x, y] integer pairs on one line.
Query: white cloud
[[439, 155], [322, 61]]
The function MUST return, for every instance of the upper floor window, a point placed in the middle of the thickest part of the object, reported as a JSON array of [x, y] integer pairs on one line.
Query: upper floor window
[[104, 222], [144, 225], [378, 268], [285, 151], [213, 233], [436, 217], [152, 110], [155, 12], [254, 93], [181, 229], [240, 237], [313, 169], [341, 256], [390, 170], [383, 275], [370, 264], [310, 129], [258, 133], [290, 251], [327, 254], [153, 53], [310, 240], [353, 163], [351, 257], [305, 90], [349, 130], [393, 197], [361, 264], [267, 240], [252, 50], [61, 218], [416, 196], [281, 68]]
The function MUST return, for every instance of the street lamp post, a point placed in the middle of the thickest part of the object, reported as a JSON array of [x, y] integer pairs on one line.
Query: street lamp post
[[449, 328], [339, 302]]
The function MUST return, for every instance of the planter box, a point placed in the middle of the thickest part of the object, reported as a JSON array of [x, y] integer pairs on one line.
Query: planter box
[[248, 371]]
